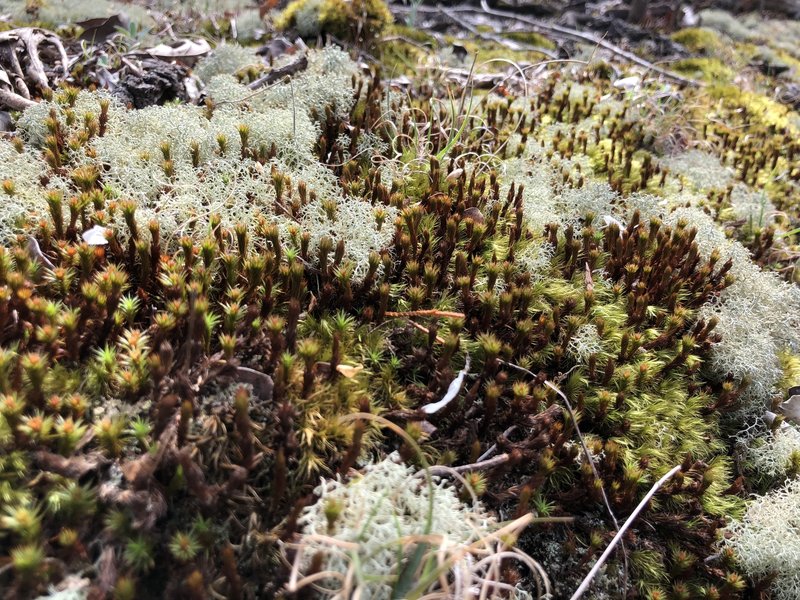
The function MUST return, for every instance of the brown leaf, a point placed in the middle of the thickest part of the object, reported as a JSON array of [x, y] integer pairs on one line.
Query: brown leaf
[[261, 382], [147, 506], [73, 467], [139, 471]]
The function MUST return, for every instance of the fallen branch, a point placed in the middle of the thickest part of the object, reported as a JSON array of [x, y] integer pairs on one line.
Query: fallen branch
[[278, 74], [25, 41], [559, 31], [580, 36], [510, 44]]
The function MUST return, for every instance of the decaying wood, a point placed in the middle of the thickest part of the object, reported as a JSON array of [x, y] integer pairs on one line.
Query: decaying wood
[[277, 74], [21, 65]]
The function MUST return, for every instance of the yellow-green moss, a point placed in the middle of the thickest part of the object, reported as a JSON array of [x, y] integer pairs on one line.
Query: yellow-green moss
[[345, 20], [698, 39], [707, 69], [790, 365], [760, 108], [528, 37], [414, 34]]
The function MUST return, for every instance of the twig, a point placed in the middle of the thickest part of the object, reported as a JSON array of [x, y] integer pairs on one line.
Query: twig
[[277, 74], [588, 455], [493, 448], [486, 464], [564, 33], [580, 36], [444, 314], [510, 44], [425, 330], [14, 101], [600, 561]]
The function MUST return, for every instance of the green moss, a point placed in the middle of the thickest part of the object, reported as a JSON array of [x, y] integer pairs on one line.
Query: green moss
[[411, 33], [529, 37], [706, 69], [364, 19], [759, 108], [698, 39], [790, 364]]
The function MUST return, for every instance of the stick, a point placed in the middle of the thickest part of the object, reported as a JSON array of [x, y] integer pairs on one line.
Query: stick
[[510, 44], [565, 33], [589, 459], [588, 579], [276, 74], [580, 36], [444, 314]]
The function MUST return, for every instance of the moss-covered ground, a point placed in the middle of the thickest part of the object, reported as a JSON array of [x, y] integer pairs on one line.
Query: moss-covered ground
[[538, 275]]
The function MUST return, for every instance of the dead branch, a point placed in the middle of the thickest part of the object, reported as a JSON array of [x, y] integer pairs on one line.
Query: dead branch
[[20, 47], [498, 39], [588, 38]]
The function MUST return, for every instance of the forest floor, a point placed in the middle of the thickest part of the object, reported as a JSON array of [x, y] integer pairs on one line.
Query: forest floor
[[346, 300]]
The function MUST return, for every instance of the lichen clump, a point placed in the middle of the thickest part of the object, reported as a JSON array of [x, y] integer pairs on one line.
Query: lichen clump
[[234, 337]]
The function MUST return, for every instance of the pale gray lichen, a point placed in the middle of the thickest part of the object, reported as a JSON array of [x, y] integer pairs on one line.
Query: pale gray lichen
[[225, 59], [758, 316], [208, 171], [585, 342], [767, 540], [751, 205], [771, 453], [392, 503], [702, 170]]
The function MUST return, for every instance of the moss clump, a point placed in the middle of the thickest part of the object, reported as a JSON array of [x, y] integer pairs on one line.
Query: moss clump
[[698, 39], [707, 69], [532, 38], [358, 21]]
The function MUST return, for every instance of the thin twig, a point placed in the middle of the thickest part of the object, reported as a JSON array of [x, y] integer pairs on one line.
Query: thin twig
[[603, 557], [589, 459], [580, 36], [493, 448], [498, 39], [486, 464], [565, 33], [444, 314]]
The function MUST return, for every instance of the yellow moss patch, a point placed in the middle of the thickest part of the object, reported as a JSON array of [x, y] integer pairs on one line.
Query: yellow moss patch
[[790, 364], [760, 108], [698, 39], [707, 69], [534, 39], [340, 18]]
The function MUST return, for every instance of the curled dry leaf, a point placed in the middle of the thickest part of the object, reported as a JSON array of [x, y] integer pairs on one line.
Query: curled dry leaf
[[452, 391], [74, 467], [791, 408], [349, 371], [181, 49]]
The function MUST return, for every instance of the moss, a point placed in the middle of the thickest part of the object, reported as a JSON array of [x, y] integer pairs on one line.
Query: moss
[[698, 39], [415, 34], [711, 70], [758, 107], [790, 364], [532, 38], [360, 20]]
